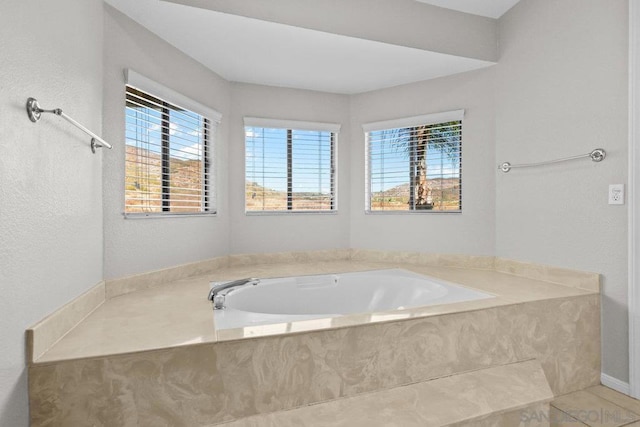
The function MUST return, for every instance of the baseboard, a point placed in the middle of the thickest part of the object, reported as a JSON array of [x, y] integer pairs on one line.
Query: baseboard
[[615, 384]]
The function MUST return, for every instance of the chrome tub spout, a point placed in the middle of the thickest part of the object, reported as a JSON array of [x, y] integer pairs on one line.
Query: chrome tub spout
[[218, 292]]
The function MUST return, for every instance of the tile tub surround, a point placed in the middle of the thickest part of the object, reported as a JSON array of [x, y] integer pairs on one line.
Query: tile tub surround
[[139, 282], [47, 332], [222, 381], [566, 277], [44, 334], [177, 313], [562, 276], [502, 395], [142, 281], [159, 343]]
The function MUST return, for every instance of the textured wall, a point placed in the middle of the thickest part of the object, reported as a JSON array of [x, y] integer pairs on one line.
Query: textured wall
[[274, 233], [50, 183], [562, 91], [473, 231], [139, 245]]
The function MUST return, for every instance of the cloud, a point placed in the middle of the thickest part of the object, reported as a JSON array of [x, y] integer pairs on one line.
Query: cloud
[[192, 152]]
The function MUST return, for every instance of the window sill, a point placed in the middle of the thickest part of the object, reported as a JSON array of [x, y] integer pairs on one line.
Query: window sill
[[417, 212], [289, 213], [156, 215]]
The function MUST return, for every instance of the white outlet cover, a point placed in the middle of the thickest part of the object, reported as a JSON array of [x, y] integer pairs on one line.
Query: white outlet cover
[[616, 194]]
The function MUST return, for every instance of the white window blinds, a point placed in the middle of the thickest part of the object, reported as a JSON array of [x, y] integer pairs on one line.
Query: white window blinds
[[169, 157], [415, 164], [289, 166]]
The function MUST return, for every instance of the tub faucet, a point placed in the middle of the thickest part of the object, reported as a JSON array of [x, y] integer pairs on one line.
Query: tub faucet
[[218, 292]]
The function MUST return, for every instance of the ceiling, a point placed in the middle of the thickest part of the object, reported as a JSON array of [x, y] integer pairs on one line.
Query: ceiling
[[489, 8], [248, 50]]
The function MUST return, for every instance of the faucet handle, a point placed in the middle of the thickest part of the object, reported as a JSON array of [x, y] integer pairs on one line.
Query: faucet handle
[[218, 301]]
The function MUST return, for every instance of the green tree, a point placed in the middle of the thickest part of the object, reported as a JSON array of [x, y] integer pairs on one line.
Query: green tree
[[416, 143]]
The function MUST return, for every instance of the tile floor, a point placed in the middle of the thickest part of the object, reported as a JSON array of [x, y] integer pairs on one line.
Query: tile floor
[[595, 406]]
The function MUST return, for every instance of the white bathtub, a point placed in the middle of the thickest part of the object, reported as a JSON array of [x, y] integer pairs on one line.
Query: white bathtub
[[288, 299]]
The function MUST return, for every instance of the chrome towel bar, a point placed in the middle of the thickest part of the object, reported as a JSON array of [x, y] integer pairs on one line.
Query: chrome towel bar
[[596, 155], [34, 111]]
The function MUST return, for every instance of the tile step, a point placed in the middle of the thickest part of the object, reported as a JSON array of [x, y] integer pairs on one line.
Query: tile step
[[507, 395]]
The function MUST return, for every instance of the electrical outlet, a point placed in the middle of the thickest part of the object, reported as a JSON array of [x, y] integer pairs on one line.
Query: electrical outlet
[[616, 194]]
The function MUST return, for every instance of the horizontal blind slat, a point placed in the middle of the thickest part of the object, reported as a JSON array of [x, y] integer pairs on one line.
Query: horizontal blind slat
[[274, 184], [156, 104], [168, 157], [401, 160], [150, 124]]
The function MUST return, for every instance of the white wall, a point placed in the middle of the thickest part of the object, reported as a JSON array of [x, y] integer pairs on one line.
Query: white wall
[[140, 245], [562, 91], [471, 232], [50, 183], [400, 22], [286, 232]]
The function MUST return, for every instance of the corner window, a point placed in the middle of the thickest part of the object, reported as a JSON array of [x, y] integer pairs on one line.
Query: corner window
[[290, 166], [415, 164], [169, 158]]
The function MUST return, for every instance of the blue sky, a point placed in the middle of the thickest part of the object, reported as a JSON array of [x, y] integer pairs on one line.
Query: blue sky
[[185, 132], [266, 159], [390, 162]]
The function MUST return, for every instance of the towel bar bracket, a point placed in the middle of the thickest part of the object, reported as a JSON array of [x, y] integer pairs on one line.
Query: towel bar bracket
[[33, 110], [35, 113]]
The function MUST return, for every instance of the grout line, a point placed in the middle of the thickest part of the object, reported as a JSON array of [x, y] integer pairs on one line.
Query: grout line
[[616, 403], [603, 399], [569, 418]]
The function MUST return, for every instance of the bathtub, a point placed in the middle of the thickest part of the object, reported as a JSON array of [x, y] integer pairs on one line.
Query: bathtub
[[289, 299]]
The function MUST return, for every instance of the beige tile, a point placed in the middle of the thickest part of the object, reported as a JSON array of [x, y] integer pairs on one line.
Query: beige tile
[[493, 396], [166, 316], [141, 352], [513, 288], [125, 285], [151, 310], [593, 410], [589, 281], [530, 416], [560, 419], [356, 319], [486, 336], [44, 334], [266, 374], [564, 276], [177, 313], [613, 396], [424, 259]]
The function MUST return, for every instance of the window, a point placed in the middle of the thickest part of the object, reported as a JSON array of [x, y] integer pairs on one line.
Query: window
[[289, 166], [169, 161], [415, 164]]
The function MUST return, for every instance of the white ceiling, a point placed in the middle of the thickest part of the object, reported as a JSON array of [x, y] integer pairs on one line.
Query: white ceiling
[[488, 8], [248, 50]]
